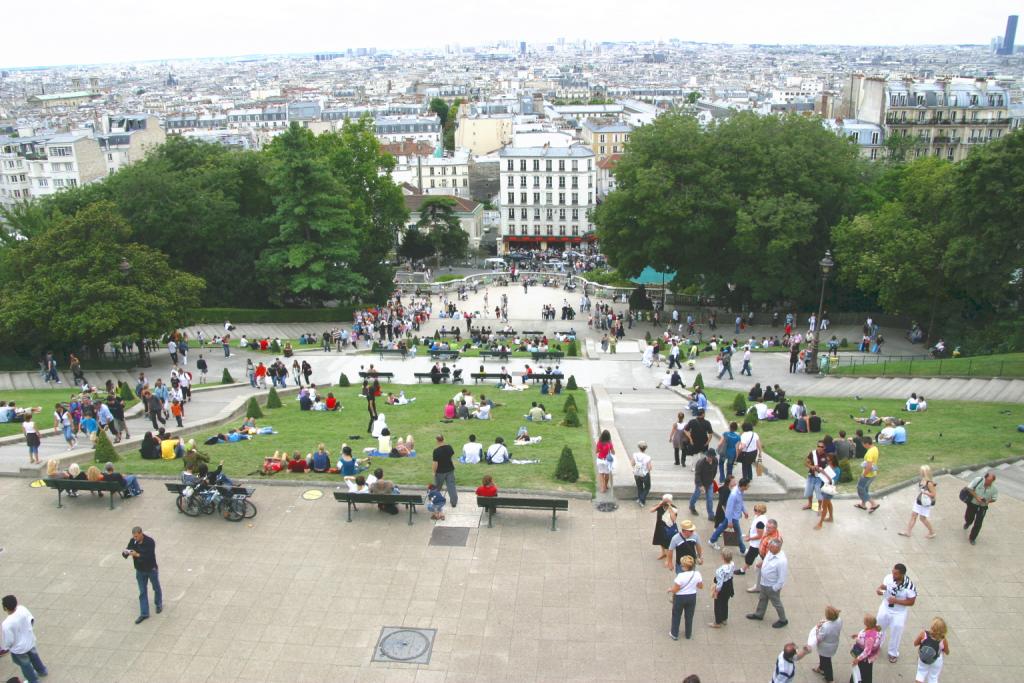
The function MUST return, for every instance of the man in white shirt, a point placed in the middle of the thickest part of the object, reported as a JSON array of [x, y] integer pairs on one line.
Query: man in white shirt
[[497, 453], [898, 593], [472, 451], [20, 640], [746, 361], [785, 665], [774, 570]]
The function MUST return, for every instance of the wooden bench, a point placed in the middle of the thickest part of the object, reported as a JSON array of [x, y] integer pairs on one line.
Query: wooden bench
[[454, 332], [539, 377], [67, 485], [420, 376], [403, 353], [503, 355], [376, 374], [444, 355], [409, 501], [548, 355], [493, 503], [477, 376]]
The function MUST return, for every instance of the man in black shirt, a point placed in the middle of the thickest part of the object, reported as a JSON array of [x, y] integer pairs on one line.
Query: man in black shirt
[[444, 469], [142, 550], [699, 430]]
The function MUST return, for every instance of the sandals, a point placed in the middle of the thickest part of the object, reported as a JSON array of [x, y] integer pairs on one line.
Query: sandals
[[877, 505], [904, 533], [858, 505], [892, 660]]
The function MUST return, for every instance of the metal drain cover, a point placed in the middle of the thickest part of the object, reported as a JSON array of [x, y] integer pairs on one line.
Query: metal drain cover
[[607, 507], [404, 645], [450, 536]]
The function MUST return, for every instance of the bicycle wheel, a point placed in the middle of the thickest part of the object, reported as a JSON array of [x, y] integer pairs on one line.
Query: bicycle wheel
[[193, 506], [231, 510], [209, 507], [250, 509], [181, 502]]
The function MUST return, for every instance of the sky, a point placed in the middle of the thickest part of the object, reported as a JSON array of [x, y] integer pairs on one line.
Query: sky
[[101, 31]]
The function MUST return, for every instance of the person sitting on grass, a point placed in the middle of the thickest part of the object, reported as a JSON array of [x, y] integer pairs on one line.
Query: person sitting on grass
[[383, 447], [893, 434], [332, 403], [814, 422], [150, 447], [483, 412], [273, 464], [497, 452], [320, 460], [463, 411], [348, 465], [405, 448], [296, 463], [800, 423], [449, 410], [755, 393], [536, 413], [435, 502], [248, 425], [472, 451]]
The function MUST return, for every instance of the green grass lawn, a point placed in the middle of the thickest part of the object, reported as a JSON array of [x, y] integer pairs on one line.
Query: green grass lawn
[[954, 433], [46, 398], [303, 431], [996, 365]]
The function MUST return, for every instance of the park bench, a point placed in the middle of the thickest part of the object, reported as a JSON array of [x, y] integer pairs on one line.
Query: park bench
[[67, 485], [477, 376], [420, 376], [493, 503], [409, 501], [376, 374], [393, 352], [548, 355], [533, 333], [540, 377], [454, 332], [566, 333], [503, 355], [444, 355]]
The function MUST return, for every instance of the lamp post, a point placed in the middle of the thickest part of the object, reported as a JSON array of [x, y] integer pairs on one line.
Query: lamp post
[[826, 264]]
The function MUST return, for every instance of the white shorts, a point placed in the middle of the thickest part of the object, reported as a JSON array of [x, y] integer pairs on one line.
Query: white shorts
[[923, 511], [929, 673], [602, 466]]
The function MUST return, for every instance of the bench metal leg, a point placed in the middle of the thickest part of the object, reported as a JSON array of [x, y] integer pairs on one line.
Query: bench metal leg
[[111, 494], [554, 511], [490, 518], [349, 510], [58, 498], [410, 507]]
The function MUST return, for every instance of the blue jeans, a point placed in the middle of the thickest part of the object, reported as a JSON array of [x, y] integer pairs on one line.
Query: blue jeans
[[724, 469], [720, 529], [813, 487], [158, 595], [708, 496], [30, 665], [863, 484], [726, 368], [745, 370], [133, 484], [681, 604]]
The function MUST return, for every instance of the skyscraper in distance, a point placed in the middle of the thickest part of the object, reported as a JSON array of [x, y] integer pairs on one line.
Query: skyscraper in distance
[[522, 47], [1010, 37]]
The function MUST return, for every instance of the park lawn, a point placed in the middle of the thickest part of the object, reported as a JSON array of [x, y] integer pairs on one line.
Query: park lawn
[[955, 433], [996, 365], [303, 430], [46, 398]]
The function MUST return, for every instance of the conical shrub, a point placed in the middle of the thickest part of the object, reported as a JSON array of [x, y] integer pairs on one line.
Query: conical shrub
[[252, 409], [343, 381], [739, 405], [698, 381], [751, 417], [567, 470], [273, 400], [226, 377], [125, 392], [572, 349], [572, 418], [571, 384], [570, 402], [104, 449]]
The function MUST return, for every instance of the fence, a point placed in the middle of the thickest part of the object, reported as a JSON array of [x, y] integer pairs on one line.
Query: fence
[[924, 366]]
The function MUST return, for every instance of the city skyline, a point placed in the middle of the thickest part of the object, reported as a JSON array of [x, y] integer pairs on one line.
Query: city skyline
[[233, 28]]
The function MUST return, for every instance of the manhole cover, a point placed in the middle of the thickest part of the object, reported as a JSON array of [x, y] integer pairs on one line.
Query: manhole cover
[[404, 645], [313, 494], [607, 507], [449, 535]]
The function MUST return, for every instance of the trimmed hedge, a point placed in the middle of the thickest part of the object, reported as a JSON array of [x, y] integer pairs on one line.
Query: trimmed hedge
[[571, 384], [226, 377], [252, 409], [104, 449], [572, 350], [739, 405], [217, 316], [566, 469], [570, 402], [343, 380], [572, 418], [273, 400], [698, 381]]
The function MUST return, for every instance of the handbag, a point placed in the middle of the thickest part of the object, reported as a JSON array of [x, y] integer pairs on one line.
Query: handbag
[[828, 489], [857, 650], [965, 495]]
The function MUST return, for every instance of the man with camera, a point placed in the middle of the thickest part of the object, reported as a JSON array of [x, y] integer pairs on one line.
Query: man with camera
[[142, 550]]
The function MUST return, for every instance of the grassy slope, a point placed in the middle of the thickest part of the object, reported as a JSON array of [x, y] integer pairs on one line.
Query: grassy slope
[[46, 398], [302, 431], [955, 433], [996, 365]]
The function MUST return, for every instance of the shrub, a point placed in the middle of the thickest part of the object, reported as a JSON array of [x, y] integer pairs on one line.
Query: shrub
[[567, 470], [343, 380], [572, 349], [698, 381], [226, 377], [125, 392], [570, 402], [845, 471], [253, 408], [275, 346], [572, 418], [739, 405], [273, 400], [104, 449], [751, 417], [375, 347], [844, 343], [647, 338], [571, 384], [270, 315]]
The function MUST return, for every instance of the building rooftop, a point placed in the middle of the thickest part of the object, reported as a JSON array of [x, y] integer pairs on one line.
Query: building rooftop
[[413, 202], [573, 151], [607, 126]]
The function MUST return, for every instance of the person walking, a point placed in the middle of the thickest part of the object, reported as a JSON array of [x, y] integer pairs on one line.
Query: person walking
[[19, 639], [677, 437], [923, 503], [684, 597], [142, 549], [750, 449], [785, 664], [867, 644], [722, 591], [734, 509], [815, 462], [981, 493], [825, 638], [898, 593], [758, 528], [642, 466], [727, 452], [745, 370], [726, 362], [774, 570], [829, 475], [31, 432], [704, 478], [444, 470], [202, 367], [932, 648], [665, 527], [604, 454], [870, 471], [699, 432]]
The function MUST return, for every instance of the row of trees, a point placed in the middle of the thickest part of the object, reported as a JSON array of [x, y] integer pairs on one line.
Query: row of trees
[[744, 210]]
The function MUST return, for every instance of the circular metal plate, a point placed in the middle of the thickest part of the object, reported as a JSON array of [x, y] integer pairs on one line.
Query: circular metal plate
[[312, 494], [404, 645], [607, 507]]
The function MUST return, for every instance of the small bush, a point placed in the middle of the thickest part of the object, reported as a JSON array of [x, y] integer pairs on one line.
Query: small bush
[[375, 346], [343, 380], [844, 343], [751, 417], [125, 392], [572, 418], [572, 349], [275, 346], [253, 408], [570, 402], [273, 400], [571, 384], [104, 449], [647, 338], [698, 381], [226, 377], [739, 405], [845, 471], [567, 470]]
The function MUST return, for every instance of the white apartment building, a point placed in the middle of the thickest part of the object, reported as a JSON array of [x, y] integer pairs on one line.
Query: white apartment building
[[867, 136], [546, 196], [39, 166], [438, 172], [128, 138], [399, 128]]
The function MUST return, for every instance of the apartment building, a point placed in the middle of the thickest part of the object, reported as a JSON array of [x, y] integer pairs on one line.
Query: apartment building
[[546, 196], [944, 117], [415, 128], [867, 136], [482, 134], [469, 213], [431, 170], [39, 166], [129, 138], [606, 137]]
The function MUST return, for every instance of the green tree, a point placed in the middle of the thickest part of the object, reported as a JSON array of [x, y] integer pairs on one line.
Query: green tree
[[448, 132], [416, 246], [440, 222], [82, 281], [441, 108], [901, 148]]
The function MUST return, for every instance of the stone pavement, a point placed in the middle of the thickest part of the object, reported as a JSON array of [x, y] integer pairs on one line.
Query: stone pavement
[[297, 594]]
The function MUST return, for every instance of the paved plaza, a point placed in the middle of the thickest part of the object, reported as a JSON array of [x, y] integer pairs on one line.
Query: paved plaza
[[298, 594]]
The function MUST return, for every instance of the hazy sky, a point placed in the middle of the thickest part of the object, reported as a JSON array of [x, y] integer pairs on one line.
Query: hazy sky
[[66, 32]]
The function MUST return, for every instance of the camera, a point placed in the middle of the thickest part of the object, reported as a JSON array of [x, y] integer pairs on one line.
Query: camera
[[126, 553]]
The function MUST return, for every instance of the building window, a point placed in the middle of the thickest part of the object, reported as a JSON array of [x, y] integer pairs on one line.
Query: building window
[[432, 182], [550, 231], [60, 152], [444, 182], [536, 197], [549, 214], [874, 154], [536, 214], [465, 182], [511, 214], [547, 165], [522, 214], [547, 197], [431, 170], [536, 181], [511, 165], [522, 197], [575, 198], [43, 182], [511, 197], [874, 138], [575, 230], [522, 164], [602, 149], [522, 181], [561, 198], [536, 231], [575, 214], [561, 214], [575, 182], [536, 164], [949, 155], [547, 182], [561, 230], [561, 164], [575, 165]]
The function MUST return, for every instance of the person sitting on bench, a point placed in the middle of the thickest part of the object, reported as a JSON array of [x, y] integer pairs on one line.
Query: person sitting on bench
[[357, 484], [130, 481], [487, 488]]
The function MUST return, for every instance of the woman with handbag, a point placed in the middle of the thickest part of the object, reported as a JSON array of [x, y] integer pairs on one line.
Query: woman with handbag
[[828, 475], [750, 449], [867, 644], [924, 503], [665, 527]]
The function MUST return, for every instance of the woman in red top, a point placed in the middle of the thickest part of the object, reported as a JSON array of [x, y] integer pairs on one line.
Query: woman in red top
[[605, 457], [487, 489], [332, 403]]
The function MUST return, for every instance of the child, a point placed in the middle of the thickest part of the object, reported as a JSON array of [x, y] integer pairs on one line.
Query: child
[[435, 502], [722, 591], [177, 412], [487, 489]]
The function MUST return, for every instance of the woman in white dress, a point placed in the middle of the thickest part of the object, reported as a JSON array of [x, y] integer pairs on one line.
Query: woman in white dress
[[924, 503]]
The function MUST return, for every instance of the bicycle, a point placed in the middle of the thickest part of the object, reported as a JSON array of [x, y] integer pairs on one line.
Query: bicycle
[[234, 504]]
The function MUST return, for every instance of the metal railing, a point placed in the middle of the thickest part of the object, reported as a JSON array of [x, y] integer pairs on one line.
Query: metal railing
[[925, 366]]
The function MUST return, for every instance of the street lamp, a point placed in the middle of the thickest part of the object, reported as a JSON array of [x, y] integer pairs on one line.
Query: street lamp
[[124, 266], [826, 264]]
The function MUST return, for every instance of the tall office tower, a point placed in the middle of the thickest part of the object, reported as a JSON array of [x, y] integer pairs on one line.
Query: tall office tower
[[522, 47], [1010, 36]]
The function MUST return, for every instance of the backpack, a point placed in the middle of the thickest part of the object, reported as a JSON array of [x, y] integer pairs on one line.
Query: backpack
[[930, 649]]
